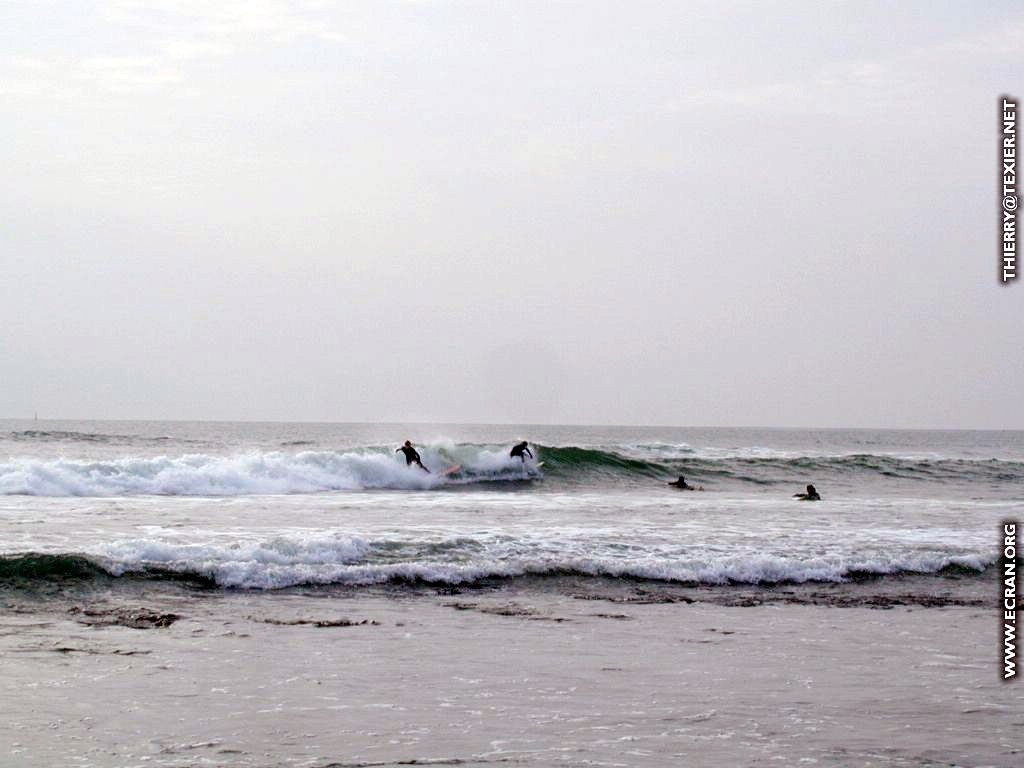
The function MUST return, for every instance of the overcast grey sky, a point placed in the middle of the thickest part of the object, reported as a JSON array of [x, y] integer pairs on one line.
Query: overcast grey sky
[[692, 213]]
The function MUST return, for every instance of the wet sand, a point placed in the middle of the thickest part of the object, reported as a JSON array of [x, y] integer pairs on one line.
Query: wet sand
[[562, 673]]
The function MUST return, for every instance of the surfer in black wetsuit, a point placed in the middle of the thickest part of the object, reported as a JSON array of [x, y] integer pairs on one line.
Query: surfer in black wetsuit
[[411, 456], [811, 495], [682, 484], [519, 449]]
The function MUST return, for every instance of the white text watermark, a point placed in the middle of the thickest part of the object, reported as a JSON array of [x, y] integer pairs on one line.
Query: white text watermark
[[1008, 188], [1008, 602]]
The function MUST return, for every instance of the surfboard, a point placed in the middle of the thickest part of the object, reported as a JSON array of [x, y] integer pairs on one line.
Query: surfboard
[[451, 470], [532, 471]]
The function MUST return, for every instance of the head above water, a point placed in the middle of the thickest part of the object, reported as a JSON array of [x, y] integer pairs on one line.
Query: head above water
[[408, 444], [810, 489]]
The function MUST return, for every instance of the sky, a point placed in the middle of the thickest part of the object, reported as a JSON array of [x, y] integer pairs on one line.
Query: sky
[[680, 213]]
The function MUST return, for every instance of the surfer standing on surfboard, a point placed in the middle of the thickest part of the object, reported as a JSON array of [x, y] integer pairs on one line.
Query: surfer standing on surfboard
[[411, 456], [519, 449]]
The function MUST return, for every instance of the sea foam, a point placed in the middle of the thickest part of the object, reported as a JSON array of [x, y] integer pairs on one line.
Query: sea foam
[[285, 562], [252, 473]]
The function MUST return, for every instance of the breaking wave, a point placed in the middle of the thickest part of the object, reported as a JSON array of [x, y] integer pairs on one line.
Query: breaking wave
[[354, 562], [307, 471], [250, 473], [376, 467]]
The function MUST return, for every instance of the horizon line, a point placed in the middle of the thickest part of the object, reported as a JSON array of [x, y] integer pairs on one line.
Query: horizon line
[[517, 424]]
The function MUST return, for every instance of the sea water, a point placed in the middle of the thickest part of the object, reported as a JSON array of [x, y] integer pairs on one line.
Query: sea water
[[265, 506]]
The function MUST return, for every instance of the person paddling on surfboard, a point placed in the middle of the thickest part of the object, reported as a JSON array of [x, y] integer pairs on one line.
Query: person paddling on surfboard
[[682, 485], [519, 449], [411, 456]]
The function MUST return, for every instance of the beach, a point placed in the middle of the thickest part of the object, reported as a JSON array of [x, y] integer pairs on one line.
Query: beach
[[557, 385], [533, 674], [195, 594]]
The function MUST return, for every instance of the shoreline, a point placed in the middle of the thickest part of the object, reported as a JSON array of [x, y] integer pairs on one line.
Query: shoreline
[[953, 584], [159, 674]]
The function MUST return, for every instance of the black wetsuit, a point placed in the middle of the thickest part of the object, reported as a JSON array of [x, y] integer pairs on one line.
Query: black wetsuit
[[519, 450], [412, 456], [811, 495]]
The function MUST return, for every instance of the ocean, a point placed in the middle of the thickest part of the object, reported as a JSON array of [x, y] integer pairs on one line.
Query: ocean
[[270, 506]]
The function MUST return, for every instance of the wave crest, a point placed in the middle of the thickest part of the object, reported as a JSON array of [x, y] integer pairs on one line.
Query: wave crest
[[281, 564], [377, 467], [245, 474]]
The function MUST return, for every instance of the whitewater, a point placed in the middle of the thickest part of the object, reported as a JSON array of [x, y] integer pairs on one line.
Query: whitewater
[[273, 506]]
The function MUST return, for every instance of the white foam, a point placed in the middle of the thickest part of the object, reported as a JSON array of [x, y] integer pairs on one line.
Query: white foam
[[256, 472], [287, 561], [203, 475], [652, 450]]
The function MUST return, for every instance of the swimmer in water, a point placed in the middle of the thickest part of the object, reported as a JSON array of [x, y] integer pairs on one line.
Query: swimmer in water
[[811, 495], [411, 456]]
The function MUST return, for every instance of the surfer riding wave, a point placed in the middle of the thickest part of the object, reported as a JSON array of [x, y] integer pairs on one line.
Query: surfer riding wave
[[411, 456]]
